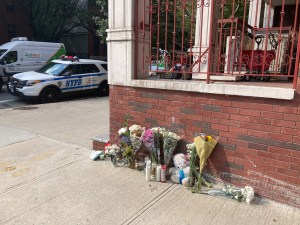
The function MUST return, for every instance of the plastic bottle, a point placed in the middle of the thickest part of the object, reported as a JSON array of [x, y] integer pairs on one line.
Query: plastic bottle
[[148, 170], [158, 171], [163, 173]]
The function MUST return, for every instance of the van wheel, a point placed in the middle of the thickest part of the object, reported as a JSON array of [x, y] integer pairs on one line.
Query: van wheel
[[103, 89], [49, 95]]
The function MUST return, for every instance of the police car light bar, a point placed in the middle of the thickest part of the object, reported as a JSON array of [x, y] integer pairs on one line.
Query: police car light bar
[[69, 58]]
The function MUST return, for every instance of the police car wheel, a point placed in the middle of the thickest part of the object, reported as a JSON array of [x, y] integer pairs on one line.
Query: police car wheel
[[103, 89], [49, 95]]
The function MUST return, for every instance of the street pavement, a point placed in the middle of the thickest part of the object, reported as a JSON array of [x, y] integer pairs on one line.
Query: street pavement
[[47, 177], [9, 101]]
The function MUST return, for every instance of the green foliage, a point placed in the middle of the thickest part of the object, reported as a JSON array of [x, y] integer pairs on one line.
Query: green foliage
[[50, 20], [101, 19], [236, 10], [128, 153], [179, 18]]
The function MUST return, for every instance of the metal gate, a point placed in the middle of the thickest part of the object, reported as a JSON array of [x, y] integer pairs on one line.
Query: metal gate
[[184, 39]]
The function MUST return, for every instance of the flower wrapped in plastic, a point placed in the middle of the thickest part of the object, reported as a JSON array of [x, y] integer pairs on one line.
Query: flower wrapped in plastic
[[204, 145], [240, 194], [190, 147], [150, 141], [136, 130], [158, 136], [124, 135], [135, 136], [170, 143]]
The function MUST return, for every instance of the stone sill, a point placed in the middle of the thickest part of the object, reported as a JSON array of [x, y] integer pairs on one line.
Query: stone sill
[[102, 139], [99, 143], [249, 89]]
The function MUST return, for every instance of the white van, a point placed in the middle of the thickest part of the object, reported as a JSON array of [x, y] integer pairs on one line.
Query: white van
[[21, 55]]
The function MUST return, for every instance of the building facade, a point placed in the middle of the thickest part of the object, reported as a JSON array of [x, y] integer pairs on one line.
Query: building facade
[[13, 22], [258, 122]]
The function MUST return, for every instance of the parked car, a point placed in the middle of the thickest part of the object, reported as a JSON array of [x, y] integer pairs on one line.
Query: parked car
[[60, 77], [21, 55]]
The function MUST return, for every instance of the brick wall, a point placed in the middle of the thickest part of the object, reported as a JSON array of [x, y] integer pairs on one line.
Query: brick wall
[[17, 19], [259, 141]]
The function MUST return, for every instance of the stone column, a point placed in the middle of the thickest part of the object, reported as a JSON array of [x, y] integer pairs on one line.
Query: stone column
[[254, 13], [206, 12], [269, 23], [121, 38]]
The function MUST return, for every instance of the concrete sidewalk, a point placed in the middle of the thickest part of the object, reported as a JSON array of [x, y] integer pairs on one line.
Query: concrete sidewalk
[[48, 181]]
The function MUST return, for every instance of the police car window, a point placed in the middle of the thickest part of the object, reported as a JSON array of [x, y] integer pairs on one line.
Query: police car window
[[89, 68], [104, 66], [52, 68], [76, 69]]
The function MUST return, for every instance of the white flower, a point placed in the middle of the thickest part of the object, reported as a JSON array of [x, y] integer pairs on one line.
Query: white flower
[[169, 134], [135, 127], [190, 147], [123, 130], [160, 129], [248, 194], [111, 149], [136, 130]]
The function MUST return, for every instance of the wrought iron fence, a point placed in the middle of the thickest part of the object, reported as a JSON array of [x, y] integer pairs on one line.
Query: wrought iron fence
[[194, 39]]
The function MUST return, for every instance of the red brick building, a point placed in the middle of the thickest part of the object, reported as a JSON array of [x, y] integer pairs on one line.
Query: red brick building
[[258, 122], [13, 22]]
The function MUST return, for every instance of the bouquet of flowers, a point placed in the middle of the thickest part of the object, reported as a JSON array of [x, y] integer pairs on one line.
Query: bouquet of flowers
[[203, 147], [239, 194], [151, 141], [170, 142], [124, 135], [135, 136], [190, 147]]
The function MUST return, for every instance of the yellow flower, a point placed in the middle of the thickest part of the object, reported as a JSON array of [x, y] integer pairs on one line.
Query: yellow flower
[[209, 138]]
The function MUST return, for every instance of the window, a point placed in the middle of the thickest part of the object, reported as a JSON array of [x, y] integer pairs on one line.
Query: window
[[89, 68], [52, 68], [104, 66], [77, 69], [10, 57]]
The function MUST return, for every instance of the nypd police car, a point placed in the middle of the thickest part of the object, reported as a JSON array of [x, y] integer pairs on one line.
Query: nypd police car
[[61, 77]]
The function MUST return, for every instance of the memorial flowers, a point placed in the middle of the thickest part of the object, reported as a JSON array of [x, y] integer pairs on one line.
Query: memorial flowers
[[170, 142], [148, 138], [124, 135], [135, 136]]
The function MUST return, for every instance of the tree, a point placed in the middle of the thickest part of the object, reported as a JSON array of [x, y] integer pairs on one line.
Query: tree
[[101, 19], [50, 20]]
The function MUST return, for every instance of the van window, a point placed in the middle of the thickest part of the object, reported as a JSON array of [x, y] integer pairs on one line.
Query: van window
[[11, 57], [2, 51], [89, 68]]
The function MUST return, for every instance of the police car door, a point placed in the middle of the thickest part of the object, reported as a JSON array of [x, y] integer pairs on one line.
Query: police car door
[[91, 72], [73, 79]]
